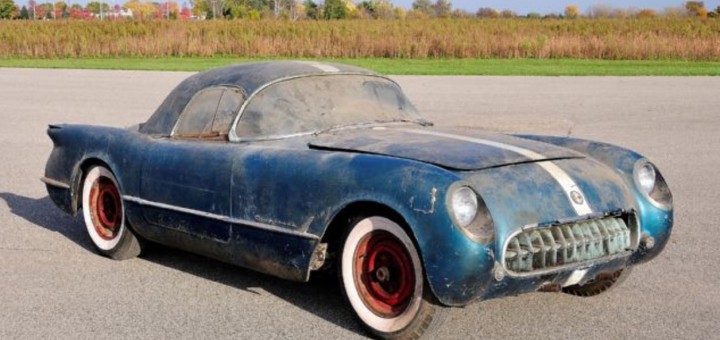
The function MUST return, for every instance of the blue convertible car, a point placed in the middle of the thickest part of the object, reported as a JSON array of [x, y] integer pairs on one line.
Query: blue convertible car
[[290, 168]]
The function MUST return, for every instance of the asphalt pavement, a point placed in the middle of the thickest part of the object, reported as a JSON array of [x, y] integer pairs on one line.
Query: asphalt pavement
[[53, 285]]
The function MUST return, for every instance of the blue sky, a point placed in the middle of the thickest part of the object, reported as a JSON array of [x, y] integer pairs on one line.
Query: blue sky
[[526, 6]]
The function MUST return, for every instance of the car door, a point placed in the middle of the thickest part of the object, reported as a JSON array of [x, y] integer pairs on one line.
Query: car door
[[186, 177]]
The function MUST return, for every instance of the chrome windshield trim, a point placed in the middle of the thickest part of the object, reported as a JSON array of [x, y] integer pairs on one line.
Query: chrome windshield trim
[[54, 182], [228, 219], [381, 125], [233, 137]]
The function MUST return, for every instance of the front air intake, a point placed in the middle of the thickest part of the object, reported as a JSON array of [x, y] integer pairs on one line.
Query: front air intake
[[544, 248]]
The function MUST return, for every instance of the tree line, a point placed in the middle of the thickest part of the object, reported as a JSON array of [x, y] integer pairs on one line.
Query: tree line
[[316, 10]]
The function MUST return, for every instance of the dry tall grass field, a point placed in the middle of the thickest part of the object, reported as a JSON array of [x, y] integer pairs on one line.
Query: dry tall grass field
[[631, 39]]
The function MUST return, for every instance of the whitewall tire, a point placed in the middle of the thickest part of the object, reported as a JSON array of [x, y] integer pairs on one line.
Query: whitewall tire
[[104, 215], [382, 277]]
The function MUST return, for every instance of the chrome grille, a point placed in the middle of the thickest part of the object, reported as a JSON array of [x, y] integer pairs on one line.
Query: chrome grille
[[548, 247]]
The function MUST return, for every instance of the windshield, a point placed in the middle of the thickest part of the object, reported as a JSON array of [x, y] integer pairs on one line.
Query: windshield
[[318, 103]]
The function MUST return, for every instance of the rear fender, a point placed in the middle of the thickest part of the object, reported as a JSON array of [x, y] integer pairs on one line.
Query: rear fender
[[78, 147]]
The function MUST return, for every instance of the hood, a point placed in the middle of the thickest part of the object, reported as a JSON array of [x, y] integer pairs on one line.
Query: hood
[[452, 149]]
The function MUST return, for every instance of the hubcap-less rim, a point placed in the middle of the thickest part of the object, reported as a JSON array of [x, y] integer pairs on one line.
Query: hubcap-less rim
[[384, 274], [106, 208]]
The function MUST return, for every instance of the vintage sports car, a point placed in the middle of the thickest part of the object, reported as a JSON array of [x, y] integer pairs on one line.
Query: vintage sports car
[[290, 168]]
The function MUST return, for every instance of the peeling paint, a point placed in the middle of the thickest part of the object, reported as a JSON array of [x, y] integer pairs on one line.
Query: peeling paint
[[423, 208], [295, 187]]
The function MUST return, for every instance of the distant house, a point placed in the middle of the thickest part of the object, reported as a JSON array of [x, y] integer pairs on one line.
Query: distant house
[[119, 12]]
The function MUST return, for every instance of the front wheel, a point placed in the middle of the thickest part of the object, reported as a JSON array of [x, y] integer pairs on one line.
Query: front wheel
[[382, 278], [104, 215], [599, 285]]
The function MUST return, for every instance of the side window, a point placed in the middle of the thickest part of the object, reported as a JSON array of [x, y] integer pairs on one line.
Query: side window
[[209, 113], [227, 109]]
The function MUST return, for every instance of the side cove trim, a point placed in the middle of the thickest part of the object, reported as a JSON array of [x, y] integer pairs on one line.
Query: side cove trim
[[228, 219]]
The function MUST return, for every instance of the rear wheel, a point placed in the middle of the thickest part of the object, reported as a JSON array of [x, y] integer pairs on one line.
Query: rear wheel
[[104, 215], [382, 277], [601, 284]]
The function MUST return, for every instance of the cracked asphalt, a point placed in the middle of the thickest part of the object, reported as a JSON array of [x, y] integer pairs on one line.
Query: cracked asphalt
[[53, 285]]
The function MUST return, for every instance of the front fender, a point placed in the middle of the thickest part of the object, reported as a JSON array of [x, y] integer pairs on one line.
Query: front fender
[[456, 268], [315, 187]]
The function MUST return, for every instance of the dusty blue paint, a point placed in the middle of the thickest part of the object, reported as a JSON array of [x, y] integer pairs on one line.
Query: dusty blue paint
[[287, 184], [266, 205]]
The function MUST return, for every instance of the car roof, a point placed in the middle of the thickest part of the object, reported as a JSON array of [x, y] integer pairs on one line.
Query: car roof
[[248, 77]]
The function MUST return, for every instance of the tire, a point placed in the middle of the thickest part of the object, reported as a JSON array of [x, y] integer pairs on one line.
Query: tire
[[104, 215], [599, 285], [382, 279]]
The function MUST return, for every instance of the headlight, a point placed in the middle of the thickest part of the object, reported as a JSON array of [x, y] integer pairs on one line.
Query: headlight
[[646, 177], [470, 214], [464, 205], [652, 185]]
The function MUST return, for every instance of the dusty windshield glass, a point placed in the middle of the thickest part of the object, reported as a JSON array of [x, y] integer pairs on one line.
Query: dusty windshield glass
[[318, 103]]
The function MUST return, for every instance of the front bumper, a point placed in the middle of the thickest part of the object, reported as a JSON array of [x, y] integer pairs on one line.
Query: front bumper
[[481, 272], [564, 254], [579, 273]]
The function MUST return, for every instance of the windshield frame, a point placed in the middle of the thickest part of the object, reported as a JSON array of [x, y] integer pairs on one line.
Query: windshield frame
[[233, 137]]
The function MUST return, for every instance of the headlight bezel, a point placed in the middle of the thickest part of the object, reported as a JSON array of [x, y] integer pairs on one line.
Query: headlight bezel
[[659, 195], [480, 228]]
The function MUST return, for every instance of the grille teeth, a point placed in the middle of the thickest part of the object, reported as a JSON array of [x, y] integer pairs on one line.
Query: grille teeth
[[549, 247]]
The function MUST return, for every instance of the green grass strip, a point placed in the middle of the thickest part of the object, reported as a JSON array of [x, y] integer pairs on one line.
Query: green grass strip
[[504, 67]]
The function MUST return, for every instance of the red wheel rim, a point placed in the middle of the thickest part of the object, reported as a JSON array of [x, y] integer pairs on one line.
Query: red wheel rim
[[384, 274], [106, 208]]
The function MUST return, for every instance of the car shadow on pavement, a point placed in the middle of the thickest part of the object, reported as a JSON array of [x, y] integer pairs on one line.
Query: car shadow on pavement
[[43, 213], [321, 296]]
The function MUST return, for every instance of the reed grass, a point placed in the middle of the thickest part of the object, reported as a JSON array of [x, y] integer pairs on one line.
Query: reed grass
[[610, 39]]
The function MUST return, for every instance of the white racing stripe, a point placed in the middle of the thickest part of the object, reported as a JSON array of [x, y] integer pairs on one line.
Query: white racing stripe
[[321, 66], [573, 192], [569, 186]]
